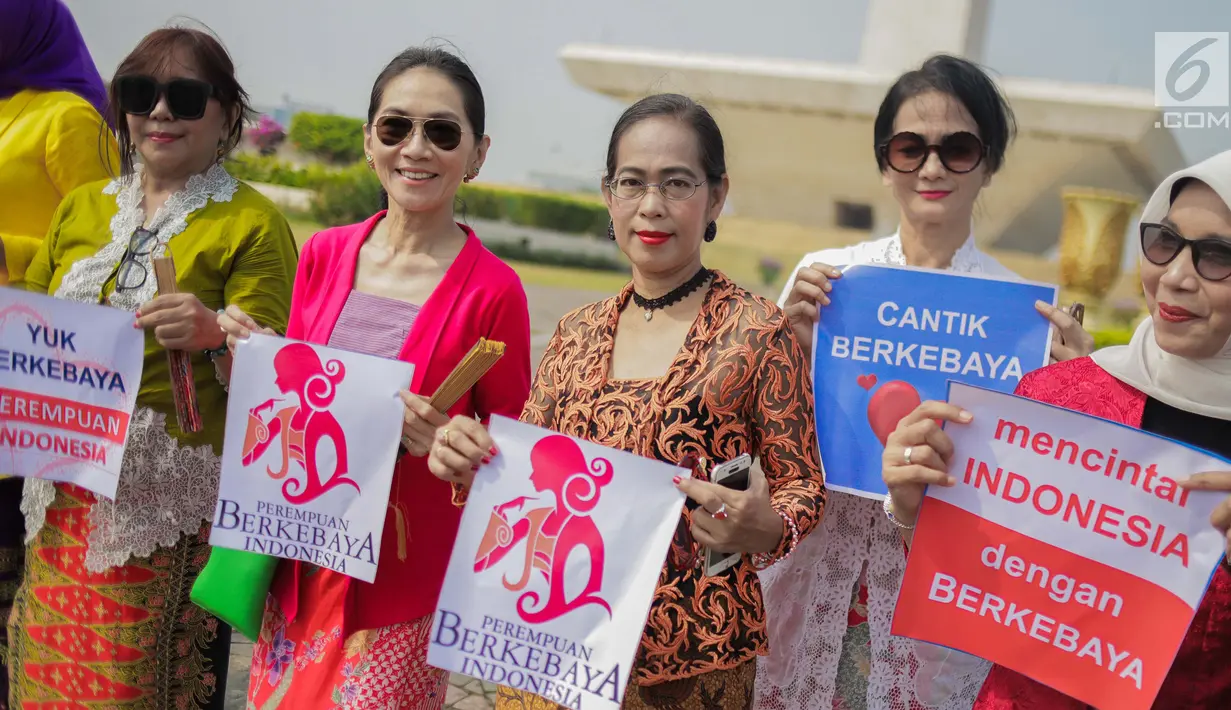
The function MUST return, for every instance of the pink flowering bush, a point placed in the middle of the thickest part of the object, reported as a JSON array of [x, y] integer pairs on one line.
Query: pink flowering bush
[[267, 135]]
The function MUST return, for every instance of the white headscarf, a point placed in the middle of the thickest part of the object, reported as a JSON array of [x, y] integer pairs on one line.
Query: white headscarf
[[1197, 386]]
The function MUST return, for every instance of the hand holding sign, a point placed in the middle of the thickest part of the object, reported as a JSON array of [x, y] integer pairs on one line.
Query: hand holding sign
[[808, 296], [461, 447], [239, 325], [918, 454], [1215, 481]]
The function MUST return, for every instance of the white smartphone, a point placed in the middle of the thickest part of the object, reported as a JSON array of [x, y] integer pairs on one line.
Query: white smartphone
[[732, 474]]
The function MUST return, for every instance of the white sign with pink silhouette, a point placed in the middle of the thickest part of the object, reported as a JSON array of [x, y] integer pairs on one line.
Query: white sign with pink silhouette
[[312, 437], [554, 569]]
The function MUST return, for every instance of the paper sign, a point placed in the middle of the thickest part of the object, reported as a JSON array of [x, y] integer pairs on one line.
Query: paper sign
[[1065, 552], [311, 441], [554, 569], [69, 375], [893, 337]]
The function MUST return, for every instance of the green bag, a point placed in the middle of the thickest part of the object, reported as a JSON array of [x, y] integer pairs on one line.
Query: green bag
[[233, 586]]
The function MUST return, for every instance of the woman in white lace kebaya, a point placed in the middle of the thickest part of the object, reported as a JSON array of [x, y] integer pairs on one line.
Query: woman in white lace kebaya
[[103, 615], [940, 135]]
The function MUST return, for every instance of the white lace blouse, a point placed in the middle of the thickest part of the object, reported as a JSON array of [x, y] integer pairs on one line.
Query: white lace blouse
[[808, 596]]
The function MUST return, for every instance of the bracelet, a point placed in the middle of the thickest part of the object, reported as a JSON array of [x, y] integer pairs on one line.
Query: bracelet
[[894, 520], [764, 560], [221, 350]]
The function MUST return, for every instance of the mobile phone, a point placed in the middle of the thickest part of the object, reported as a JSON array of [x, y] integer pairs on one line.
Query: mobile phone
[[733, 474], [1078, 313]]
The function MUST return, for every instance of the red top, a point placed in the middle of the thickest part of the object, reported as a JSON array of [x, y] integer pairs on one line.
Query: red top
[[1200, 678], [479, 297]]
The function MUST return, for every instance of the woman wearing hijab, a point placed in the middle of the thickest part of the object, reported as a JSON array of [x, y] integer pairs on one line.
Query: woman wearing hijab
[[1172, 379], [52, 139]]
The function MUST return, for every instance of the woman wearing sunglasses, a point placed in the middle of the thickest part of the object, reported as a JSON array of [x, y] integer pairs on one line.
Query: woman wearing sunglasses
[[131, 638], [686, 367], [409, 283], [52, 139], [939, 137], [1173, 379]]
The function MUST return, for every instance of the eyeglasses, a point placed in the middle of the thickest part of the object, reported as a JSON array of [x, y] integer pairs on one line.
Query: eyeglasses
[[959, 152], [133, 273], [676, 188], [187, 99], [1211, 257], [443, 133]]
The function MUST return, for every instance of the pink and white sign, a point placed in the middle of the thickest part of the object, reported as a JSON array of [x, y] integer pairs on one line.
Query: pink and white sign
[[1065, 552], [311, 440], [554, 569], [69, 375]]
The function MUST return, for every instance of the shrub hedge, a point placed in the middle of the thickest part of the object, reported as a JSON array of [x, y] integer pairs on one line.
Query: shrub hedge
[[1111, 336], [337, 139], [350, 191], [514, 251]]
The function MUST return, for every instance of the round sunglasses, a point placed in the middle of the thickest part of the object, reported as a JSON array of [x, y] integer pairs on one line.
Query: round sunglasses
[[1161, 244], [959, 152], [392, 130], [187, 99]]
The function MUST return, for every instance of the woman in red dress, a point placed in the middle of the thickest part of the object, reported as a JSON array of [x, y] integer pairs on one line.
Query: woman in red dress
[[1173, 379]]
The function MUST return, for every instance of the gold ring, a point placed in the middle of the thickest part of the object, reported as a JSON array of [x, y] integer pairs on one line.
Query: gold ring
[[444, 438]]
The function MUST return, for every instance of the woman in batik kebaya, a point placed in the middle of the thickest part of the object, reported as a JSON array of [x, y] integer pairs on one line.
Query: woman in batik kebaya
[[685, 367]]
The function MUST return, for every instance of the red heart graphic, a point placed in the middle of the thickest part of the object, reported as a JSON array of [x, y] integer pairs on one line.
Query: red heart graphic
[[866, 381], [888, 405]]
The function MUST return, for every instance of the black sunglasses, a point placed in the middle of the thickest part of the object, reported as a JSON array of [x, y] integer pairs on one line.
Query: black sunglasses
[[133, 273], [187, 99], [443, 133], [1161, 245], [959, 152]]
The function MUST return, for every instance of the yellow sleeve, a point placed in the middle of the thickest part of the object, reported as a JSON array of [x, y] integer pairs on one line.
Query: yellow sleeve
[[262, 277], [19, 251], [36, 277], [80, 149]]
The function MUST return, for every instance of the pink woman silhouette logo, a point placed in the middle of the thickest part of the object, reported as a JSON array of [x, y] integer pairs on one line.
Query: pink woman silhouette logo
[[301, 427], [552, 527]]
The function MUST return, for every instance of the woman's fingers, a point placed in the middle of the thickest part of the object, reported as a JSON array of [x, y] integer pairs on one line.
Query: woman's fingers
[[243, 319], [447, 464], [933, 409]]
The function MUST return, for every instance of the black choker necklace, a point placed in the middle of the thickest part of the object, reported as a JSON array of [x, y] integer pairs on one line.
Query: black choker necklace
[[672, 297]]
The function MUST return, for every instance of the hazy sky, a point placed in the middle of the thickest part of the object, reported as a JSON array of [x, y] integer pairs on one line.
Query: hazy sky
[[329, 51]]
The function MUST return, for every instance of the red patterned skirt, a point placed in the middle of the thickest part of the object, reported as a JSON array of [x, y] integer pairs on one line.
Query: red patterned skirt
[[123, 639], [307, 665]]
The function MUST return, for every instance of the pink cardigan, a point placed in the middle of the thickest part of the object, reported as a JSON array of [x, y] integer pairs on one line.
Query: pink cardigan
[[479, 296]]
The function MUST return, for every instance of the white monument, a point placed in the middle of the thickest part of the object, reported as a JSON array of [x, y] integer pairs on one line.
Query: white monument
[[799, 134]]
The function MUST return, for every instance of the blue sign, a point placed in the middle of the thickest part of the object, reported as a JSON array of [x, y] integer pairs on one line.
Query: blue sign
[[893, 336]]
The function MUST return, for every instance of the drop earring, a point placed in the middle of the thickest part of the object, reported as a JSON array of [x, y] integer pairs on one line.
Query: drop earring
[[222, 151], [611, 230], [371, 163], [711, 231]]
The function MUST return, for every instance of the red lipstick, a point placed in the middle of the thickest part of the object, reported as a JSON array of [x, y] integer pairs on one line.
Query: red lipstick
[[1174, 314], [934, 194], [653, 238]]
